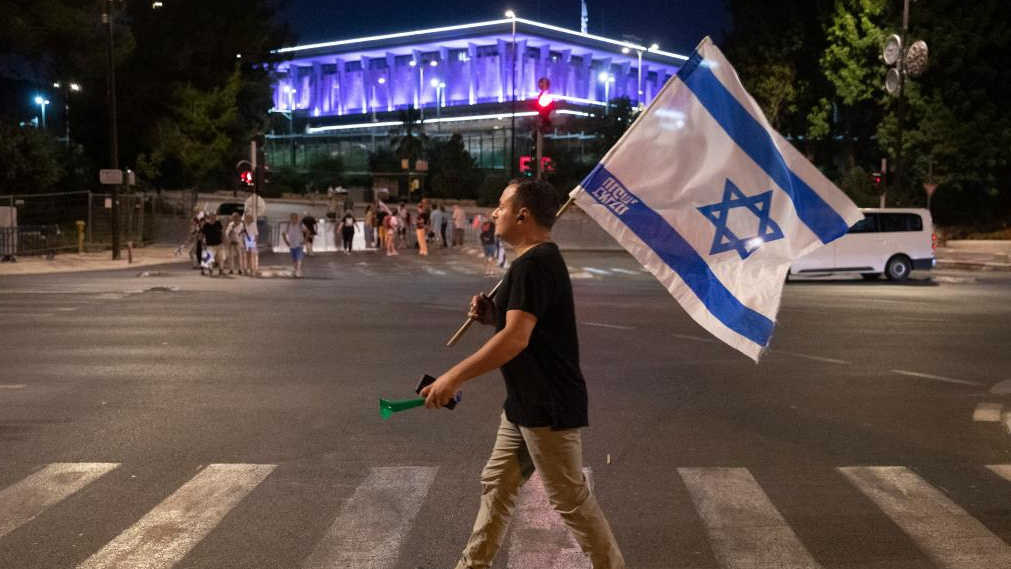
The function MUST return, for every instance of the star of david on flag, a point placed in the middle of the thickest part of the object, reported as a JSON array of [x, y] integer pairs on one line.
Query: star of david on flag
[[714, 202], [719, 214]]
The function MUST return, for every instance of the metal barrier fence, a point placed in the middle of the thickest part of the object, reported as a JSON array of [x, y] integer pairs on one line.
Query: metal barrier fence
[[39, 223], [34, 240]]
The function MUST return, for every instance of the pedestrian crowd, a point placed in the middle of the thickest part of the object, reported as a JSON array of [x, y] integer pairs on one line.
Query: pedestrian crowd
[[233, 244], [213, 245]]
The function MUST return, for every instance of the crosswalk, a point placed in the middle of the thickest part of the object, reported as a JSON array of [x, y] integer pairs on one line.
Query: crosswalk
[[370, 529]]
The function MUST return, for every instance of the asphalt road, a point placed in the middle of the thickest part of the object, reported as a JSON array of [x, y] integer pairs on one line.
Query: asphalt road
[[174, 420]]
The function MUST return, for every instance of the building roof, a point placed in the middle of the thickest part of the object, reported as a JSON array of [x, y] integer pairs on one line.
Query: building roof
[[459, 36]]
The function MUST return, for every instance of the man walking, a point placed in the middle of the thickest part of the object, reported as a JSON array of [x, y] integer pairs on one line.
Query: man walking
[[214, 241], [536, 347], [294, 237]]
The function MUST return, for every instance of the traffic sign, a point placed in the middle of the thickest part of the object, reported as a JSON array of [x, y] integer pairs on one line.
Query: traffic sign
[[255, 208], [111, 177]]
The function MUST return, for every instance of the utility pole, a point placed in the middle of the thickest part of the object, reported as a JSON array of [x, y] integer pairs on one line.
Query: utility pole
[[902, 100], [113, 136]]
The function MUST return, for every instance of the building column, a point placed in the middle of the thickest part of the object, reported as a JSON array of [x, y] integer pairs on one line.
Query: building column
[[471, 74], [340, 103]]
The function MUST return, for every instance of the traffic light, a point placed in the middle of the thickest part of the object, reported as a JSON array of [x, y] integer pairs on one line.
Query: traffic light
[[877, 180], [545, 105], [526, 166], [246, 177]]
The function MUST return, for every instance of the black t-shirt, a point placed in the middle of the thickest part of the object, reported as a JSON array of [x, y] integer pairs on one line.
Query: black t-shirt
[[212, 233], [309, 222], [544, 385]]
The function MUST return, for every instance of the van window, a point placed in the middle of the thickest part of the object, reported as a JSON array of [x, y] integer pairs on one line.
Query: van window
[[891, 222], [869, 224]]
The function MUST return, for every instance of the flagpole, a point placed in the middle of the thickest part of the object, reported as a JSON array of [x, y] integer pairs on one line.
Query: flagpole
[[466, 325]]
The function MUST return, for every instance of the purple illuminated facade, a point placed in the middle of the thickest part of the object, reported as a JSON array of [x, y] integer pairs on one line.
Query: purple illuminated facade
[[460, 77]]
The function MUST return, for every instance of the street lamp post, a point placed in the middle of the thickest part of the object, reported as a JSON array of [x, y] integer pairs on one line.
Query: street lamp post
[[291, 122], [606, 78], [638, 89], [439, 86], [71, 88], [42, 102], [512, 128], [113, 128]]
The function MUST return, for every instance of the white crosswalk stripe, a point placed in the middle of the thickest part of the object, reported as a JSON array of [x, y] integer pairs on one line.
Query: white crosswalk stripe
[[539, 536], [371, 528], [28, 498], [163, 536], [946, 533], [744, 527]]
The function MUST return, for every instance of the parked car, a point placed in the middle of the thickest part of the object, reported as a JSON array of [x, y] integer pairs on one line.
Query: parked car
[[225, 209], [892, 241]]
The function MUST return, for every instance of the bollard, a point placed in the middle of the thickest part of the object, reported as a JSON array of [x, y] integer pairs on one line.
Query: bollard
[[129, 252], [80, 236]]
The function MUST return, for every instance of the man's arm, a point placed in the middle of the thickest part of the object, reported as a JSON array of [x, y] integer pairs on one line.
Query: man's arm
[[496, 352]]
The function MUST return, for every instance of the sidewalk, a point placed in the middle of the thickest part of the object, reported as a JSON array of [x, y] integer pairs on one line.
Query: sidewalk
[[73, 262]]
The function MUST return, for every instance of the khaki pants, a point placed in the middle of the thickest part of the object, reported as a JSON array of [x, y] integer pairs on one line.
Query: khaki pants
[[558, 457]]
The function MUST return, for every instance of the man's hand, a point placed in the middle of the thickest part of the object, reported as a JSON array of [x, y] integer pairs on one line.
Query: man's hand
[[482, 309], [440, 392]]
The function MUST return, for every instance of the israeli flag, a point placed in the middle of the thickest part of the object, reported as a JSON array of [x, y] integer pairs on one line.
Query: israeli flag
[[715, 203]]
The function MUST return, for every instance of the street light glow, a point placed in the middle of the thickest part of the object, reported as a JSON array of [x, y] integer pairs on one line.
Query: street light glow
[[75, 87], [382, 80], [510, 14], [56, 85], [434, 82], [603, 77], [654, 47], [624, 50], [412, 63], [434, 63]]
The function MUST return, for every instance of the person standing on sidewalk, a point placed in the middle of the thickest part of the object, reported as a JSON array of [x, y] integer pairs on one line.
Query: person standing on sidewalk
[[347, 225], [488, 244], [250, 247], [233, 240], [421, 230], [294, 238], [436, 220], [214, 242], [459, 223], [537, 349], [370, 226], [310, 226]]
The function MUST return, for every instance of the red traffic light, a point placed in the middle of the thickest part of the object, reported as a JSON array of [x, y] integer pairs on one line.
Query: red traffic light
[[246, 177], [876, 179], [544, 100]]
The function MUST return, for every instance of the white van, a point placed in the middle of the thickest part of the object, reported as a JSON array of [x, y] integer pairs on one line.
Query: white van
[[890, 241]]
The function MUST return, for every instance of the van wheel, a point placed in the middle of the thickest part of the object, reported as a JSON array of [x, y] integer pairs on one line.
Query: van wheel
[[870, 276], [898, 268]]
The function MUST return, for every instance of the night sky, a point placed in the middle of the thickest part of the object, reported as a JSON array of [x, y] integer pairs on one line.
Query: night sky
[[676, 26]]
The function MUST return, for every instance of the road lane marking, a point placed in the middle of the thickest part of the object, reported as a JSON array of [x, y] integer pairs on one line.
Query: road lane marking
[[434, 271], [745, 529], [539, 537], [987, 412], [1002, 388], [372, 526], [935, 377], [602, 325], [12, 386], [24, 500], [1002, 470], [810, 357], [167, 533], [695, 338], [945, 532]]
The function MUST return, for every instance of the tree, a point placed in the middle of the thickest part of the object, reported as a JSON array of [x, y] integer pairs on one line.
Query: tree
[[956, 130], [609, 127], [408, 145], [196, 136], [30, 161], [453, 171]]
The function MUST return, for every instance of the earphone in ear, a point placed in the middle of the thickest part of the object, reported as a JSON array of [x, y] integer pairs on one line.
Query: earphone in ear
[[520, 217]]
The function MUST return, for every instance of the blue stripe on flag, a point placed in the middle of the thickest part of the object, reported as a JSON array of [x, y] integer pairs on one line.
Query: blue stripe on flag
[[757, 143], [678, 254]]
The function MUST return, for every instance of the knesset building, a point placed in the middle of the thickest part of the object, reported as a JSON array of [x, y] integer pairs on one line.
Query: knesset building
[[345, 97]]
